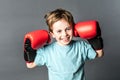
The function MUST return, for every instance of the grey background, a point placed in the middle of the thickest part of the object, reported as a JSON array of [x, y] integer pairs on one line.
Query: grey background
[[20, 16]]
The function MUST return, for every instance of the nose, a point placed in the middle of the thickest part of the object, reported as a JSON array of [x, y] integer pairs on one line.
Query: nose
[[64, 33]]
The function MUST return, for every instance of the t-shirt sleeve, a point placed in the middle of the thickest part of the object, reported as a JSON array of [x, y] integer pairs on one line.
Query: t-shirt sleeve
[[89, 53], [40, 58]]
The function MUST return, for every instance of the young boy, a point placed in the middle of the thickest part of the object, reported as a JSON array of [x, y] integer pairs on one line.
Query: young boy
[[64, 58]]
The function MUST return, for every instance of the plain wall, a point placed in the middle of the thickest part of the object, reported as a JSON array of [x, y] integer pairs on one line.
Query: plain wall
[[18, 17]]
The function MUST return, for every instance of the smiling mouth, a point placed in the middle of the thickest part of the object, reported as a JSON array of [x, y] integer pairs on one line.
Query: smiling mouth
[[65, 39]]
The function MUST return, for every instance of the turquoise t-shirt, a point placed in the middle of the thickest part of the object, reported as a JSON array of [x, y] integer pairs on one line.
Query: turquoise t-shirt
[[65, 62]]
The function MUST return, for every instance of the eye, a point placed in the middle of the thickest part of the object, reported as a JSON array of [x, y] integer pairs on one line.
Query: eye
[[68, 28], [59, 31]]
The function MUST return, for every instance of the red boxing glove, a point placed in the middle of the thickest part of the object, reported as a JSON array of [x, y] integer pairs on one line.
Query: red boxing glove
[[86, 29], [37, 38], [89, 30], [32, 41]]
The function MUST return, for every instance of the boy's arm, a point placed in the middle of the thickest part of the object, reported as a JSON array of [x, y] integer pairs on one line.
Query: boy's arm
[[90, 30], [32, 41], [97, 44], [100, 53], [31, 65]]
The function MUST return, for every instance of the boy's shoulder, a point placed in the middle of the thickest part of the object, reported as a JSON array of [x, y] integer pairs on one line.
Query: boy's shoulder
[[47, 47], [82, 42], [73, 43], [50, 45]]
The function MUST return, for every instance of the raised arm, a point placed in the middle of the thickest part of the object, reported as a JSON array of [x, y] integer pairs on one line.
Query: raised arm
[[32, 41], [90, 30]]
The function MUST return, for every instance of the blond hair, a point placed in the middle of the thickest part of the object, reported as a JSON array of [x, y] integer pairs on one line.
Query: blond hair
[[57, 15]]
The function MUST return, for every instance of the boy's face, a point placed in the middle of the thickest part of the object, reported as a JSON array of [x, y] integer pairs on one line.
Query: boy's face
[[62, 32]]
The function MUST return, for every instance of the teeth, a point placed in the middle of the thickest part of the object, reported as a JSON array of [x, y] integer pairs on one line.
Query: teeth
[[65, 39]]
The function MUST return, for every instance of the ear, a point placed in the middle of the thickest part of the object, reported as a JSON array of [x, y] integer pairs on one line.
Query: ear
[[52, 34]]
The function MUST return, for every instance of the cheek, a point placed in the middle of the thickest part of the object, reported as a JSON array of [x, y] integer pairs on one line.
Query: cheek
[[71, 32], [55, 35]]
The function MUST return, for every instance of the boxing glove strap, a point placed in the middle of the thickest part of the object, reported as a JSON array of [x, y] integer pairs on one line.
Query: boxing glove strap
[[29, 52], [97, 42], [29, 56]]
